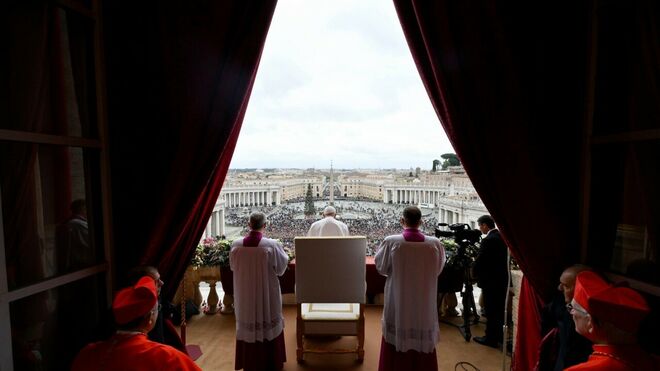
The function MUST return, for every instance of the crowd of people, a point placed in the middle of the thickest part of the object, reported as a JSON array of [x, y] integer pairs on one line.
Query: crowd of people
[[371, 219]]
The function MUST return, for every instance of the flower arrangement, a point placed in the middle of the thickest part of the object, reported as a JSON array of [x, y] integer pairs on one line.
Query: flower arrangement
[[212, 251], [290, 253]]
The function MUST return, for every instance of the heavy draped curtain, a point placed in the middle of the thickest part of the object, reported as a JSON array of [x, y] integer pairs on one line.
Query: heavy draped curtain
[[508, 82], [179, 79]]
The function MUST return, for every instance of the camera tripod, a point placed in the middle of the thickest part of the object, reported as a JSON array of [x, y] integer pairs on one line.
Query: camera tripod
[[469, 306]]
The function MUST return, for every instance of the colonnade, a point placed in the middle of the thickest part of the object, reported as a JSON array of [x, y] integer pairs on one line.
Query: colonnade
[[449, 216], [412, 196], [240, 198], [216, 225]]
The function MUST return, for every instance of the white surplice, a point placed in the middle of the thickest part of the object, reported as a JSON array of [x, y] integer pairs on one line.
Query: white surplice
[[257, 294], [327, 226], [410, 316]]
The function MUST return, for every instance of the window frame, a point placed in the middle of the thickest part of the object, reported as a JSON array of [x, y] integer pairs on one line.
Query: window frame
[[92, 13]]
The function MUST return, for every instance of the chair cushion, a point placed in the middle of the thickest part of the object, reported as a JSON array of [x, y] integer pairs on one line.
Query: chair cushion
[[330, 311]]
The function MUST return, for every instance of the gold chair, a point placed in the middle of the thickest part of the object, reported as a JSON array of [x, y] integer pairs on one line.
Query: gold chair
[[330, 291]]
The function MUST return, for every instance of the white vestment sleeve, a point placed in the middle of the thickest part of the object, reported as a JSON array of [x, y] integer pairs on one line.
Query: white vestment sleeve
[[382, 259], [280, 259]]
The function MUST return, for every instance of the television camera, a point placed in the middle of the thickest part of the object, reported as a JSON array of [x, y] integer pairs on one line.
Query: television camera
[[457, 274], [460, 232]]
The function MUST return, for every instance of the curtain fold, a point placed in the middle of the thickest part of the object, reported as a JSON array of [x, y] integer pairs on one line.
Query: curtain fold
[[179, 80], [529, 319], [508, 86]]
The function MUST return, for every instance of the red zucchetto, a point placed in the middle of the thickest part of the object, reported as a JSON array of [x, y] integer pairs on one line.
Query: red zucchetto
[[623, 307], [134, 302]]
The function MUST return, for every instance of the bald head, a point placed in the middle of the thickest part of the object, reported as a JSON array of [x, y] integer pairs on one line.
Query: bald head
[[329, 211], [567, 280]]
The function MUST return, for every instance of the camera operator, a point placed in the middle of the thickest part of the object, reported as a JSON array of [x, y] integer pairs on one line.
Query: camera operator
[[491, 271]]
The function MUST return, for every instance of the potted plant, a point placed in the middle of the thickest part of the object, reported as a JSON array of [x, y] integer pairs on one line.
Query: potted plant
[[211, 261]]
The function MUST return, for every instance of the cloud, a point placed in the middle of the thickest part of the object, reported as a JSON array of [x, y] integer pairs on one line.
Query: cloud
[[337, 82]]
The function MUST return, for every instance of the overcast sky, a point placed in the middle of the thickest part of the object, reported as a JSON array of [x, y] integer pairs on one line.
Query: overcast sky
[[337, 82]]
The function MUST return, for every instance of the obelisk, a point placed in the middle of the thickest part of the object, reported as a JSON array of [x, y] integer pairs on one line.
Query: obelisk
[[332, 185]]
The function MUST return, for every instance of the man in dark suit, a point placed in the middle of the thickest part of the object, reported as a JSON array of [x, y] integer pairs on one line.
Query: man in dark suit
[[492, 274], [561, 346]]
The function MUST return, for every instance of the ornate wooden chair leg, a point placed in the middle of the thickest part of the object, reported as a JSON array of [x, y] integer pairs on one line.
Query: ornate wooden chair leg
[[299, 334], [360, 349]]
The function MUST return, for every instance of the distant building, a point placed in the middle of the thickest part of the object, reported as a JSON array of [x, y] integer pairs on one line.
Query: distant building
[[449, 191]]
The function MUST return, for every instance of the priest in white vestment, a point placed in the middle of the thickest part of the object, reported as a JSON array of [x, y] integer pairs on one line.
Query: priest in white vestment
[[257, 262], [328, 226], [410, 316]]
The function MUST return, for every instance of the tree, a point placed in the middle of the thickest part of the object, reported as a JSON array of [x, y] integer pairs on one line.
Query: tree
[[309, 202], [450, 160], [436, 163]]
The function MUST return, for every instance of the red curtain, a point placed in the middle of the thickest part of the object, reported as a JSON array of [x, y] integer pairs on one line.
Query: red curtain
[[527, 346], [508, 84], [179, 79]]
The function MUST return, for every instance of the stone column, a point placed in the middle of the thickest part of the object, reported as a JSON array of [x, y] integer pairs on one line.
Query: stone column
[[221, 221], [212, 221], [216, 223], [209, 230]]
